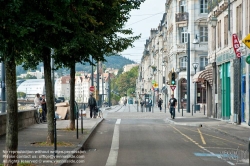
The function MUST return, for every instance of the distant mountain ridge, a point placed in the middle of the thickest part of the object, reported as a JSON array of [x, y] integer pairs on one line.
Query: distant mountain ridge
[[116, 62]]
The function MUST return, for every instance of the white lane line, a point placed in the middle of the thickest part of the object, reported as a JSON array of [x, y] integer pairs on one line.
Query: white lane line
[[113, 154], [118, 121]]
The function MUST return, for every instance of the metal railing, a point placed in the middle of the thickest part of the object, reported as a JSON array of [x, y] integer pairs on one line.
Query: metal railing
[[181, 17]]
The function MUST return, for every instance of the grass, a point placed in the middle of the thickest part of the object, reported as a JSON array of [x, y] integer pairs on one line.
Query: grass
[[22, 164], [65, 144]]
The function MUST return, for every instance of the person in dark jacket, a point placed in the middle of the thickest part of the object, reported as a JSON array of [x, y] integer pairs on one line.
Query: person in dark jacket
[[92, 105], [160, 101]]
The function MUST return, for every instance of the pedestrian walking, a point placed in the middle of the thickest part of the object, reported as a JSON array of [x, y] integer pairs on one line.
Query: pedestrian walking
[[172, 105], [44, 108], [150, 104], [92, 105], [160, 101], [142, 103], [125, 102]]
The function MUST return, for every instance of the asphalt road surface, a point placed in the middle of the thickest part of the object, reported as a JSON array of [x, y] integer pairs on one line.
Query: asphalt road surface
[[146, 139]]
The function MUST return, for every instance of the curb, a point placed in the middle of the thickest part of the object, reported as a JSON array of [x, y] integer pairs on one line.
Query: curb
[[81, 144], [204, 124], [182, 124]]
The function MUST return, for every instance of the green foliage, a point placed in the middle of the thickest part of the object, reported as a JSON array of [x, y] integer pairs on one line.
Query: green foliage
[[125, 83], [21, 94], [28, 76]]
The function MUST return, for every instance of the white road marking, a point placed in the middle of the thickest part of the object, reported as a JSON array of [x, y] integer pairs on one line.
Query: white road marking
[[113, 154]]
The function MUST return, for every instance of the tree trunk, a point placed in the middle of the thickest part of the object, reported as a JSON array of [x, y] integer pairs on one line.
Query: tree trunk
[[12, 112], [72, 97], [49, 94]]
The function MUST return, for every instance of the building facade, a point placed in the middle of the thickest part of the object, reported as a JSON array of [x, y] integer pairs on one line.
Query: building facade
[[195, 40]]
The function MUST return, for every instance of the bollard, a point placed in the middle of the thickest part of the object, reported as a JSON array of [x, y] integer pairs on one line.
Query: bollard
[[137, 107], [192, 109], [182, 110], [81, 122], [165, 108], [204, 110], [55, 139], [77, 124]]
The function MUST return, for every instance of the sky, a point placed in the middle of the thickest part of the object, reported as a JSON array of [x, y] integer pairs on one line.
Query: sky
[[142, 21]]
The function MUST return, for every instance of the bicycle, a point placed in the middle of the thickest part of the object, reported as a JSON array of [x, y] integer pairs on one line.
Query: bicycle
[[38, 115], [98, 112]]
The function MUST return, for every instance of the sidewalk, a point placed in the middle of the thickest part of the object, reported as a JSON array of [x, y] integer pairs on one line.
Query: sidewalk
[[66, 139], [240, 132]]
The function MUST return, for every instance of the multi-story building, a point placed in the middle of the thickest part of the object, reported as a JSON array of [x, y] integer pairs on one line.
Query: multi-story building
[[231, 73], [168, 51], [201, 31]]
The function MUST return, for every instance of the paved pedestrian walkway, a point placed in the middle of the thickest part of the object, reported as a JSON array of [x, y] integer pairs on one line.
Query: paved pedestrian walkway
[[31, 141]]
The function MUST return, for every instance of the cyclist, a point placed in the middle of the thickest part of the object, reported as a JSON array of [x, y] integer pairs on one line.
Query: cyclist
[[37, 100]]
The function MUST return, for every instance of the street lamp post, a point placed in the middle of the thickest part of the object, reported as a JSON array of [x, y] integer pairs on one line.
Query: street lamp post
[[195, 66], [178, 89], [213, 22]]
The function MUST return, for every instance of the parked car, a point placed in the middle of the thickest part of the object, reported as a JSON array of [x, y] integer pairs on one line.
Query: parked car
[[105, 104], [62, 99], [57, 100]]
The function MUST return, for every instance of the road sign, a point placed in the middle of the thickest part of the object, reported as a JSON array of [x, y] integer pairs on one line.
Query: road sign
[[153, 81], [248, 59], [172, 87], [236, 45], [246, 40], [155, 85], [92, 88]]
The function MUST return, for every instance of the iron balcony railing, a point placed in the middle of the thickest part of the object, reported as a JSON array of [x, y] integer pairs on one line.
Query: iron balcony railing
[[181, 17], [211, 4]]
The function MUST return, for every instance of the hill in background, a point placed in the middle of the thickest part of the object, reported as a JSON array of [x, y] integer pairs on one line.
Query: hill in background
[[116, 62]]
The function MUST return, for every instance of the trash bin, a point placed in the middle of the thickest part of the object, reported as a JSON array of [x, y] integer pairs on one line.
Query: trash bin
[[197, 107]]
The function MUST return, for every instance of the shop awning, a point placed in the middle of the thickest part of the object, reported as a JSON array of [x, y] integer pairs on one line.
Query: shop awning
[[206, 74]]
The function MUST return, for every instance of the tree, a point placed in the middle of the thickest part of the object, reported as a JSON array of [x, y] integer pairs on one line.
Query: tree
[[28, 76]]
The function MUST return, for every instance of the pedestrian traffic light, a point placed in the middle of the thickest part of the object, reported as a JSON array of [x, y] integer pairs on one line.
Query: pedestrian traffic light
[[173, 78]]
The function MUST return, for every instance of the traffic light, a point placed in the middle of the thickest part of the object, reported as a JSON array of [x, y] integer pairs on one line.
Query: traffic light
[[173, 78]]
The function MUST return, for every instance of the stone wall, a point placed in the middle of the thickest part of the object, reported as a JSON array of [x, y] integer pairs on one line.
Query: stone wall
[[25, 119]]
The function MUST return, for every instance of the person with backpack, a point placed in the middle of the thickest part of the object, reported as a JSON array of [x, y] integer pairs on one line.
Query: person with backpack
[[92, 105]]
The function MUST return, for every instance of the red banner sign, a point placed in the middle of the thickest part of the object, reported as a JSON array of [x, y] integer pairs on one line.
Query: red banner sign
[[236, 45]]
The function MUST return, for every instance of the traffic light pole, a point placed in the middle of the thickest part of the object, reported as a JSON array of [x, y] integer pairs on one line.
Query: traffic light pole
[[188, 74]]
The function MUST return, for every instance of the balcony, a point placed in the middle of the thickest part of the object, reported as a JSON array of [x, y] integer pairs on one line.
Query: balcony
[[179, 17], [222, 4]]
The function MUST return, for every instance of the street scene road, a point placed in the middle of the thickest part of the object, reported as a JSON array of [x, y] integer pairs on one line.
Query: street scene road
[[128, 136]]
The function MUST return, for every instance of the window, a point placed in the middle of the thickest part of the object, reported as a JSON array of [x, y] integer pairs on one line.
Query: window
[[226, 31], [203, 34], [183, 34], [183, 6], [203, 63], [203, 7], [183, 63]]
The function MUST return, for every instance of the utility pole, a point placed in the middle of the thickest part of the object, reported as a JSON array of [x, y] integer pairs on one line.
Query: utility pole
[[92, 73], [109, 89], [98, 87]]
